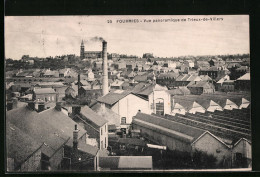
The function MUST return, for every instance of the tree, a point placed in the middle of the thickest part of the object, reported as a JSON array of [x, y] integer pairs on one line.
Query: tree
[[203, 160]]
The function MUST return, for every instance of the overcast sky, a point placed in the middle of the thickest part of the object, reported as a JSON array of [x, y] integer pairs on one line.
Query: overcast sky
[[57, 35]]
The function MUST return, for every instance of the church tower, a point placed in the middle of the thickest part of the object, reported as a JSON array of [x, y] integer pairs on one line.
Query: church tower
[[82, 50]]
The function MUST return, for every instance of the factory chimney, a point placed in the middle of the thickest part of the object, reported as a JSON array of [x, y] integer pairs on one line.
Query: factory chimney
[[105, 70]]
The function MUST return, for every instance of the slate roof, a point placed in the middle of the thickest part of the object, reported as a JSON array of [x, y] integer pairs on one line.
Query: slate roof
[[188, 77], [92, 150], [39, 129], [170, 127], [184, 90], [108, 114], [113, 97], [188, 104], [61, 90], [176, 91], [126, 162], [93, 116], [51, 127], [200, 84], [205, 78], [168, 75], [44, 90], [117, 83], [110, 162], [213, 68], [140, 78], [148, 89], [218, 97], [61, 122], [242, 68], [139, 87], [19, 145]]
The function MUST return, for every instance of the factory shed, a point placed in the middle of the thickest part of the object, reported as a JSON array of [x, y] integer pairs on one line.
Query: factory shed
[[174, 135]]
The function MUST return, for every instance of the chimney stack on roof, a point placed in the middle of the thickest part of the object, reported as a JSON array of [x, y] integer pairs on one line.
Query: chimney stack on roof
[[58, 106], [31, 105], [105, 70], [75, 137], [41, 106]]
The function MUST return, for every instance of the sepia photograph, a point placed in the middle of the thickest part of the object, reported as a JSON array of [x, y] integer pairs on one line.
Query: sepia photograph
[[109, 93]]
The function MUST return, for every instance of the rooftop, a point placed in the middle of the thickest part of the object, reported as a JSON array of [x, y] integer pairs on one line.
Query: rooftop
[[44, 90], [126, 162], [179, 130], [93, 116], [38, 128], [19, 145], [113, 97]]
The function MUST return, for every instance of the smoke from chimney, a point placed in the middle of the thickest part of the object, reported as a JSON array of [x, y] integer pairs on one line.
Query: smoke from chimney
[[97, 39], [105, 70]]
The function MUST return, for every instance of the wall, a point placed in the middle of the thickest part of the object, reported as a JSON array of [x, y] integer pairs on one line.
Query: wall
[[213, 108], [210, 145], [33, 163], [129, 106], [230, 107], [164, 140], [56, 159], [104, 136], [244, 148], [157, 94], [46, 96], [197, 109], [179, 111], [196, 90]]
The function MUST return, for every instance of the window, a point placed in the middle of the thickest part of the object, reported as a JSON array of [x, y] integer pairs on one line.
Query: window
[[123, 120], [101, 131], [105, 142], [105, 128]]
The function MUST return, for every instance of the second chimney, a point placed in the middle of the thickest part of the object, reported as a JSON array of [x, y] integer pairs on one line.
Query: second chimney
[[105, 71], [58, 106], [75, 137]]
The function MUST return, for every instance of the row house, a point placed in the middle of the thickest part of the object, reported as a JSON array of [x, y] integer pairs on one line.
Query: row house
[[167, 79], [185, 79], [94, 124], [46, 137], [200, 87], [212, 72]]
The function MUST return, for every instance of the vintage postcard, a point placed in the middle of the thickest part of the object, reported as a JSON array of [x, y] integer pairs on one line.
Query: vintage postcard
[[127, 93]]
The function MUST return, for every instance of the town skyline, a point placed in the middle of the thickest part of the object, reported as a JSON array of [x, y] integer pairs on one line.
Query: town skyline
[[54, 36]]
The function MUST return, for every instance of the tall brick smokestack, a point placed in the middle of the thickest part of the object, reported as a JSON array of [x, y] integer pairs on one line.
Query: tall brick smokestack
[[105, 70]]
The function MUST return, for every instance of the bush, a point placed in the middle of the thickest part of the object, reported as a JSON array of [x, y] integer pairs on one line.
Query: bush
[[203, 160]]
